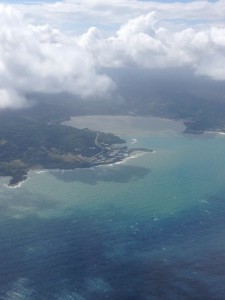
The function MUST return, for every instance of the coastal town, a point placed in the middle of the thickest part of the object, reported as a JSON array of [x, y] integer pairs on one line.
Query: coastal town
[[110, 154]]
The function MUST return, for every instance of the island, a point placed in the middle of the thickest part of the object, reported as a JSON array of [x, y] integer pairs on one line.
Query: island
[[28, 144]]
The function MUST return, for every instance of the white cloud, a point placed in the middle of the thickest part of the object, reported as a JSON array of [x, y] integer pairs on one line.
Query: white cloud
[[76, 15], [10, 98], [37, 57], [41, 59], [144, 43]]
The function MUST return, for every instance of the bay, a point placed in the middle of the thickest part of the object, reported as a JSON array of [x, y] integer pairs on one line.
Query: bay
[[151, 227]]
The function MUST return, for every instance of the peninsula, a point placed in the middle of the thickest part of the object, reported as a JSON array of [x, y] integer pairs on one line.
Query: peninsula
[[27, 144]]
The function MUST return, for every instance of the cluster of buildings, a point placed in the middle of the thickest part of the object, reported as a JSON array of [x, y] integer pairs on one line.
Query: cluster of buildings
[[109, 155]]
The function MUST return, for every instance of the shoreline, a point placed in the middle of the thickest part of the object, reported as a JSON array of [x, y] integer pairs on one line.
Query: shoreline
[[216, 132], [178, 125], [40, 171], [133, 157], [126, 125]]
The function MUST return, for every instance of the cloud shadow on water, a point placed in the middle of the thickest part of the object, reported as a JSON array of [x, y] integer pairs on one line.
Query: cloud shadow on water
[[181, 257], [115, 173]]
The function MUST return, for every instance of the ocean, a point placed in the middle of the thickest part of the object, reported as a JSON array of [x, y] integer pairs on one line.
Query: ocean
[[152, 227]]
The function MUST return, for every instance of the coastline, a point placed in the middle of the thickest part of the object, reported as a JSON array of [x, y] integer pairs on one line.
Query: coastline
[[17, 185], [130, 126], [153, 124], [215, 132], [139, 152], [127, 126]]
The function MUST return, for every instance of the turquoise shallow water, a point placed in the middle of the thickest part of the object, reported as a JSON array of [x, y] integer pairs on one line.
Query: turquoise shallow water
[[150, 228]]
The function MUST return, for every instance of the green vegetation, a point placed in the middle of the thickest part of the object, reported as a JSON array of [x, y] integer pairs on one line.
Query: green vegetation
[[108, 139], [27, 144]]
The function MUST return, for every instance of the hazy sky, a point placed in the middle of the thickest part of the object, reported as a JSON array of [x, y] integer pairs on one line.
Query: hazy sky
[[66, 46]]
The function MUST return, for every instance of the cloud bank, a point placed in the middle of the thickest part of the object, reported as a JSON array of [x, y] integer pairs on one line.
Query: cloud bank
[[142, 42], [38, 57], [41, 59]]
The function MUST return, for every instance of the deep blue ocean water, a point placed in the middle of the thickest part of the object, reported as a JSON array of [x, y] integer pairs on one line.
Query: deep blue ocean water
[[150, 228]]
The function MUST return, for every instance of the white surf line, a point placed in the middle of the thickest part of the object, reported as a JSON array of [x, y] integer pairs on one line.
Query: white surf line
[[16, 186], [132, 156], [216, 132], [134, 141]]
